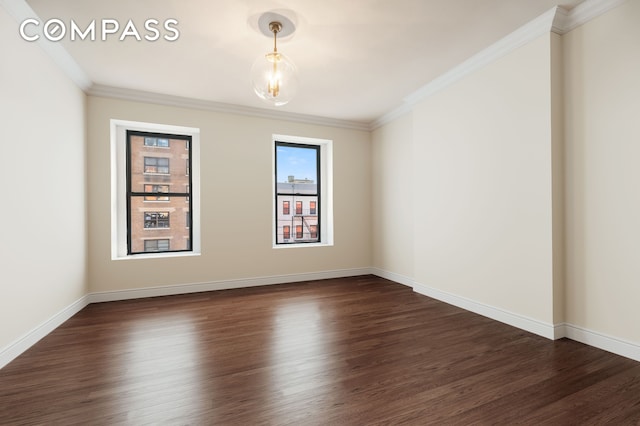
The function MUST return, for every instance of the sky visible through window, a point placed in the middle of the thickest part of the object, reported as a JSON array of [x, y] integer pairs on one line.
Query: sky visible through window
[[296, 161]]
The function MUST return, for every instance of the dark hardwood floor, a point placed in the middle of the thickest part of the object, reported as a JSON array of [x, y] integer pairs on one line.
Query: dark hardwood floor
[[354, 351]]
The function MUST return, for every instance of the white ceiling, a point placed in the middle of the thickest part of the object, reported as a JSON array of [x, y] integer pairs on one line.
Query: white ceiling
[[356, 59]]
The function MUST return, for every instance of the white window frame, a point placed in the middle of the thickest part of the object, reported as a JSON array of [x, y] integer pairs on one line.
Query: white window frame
[[119, 189], [326, 190]]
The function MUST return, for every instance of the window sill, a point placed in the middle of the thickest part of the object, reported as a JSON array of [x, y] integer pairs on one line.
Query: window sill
[[301, 245], [156, 255]]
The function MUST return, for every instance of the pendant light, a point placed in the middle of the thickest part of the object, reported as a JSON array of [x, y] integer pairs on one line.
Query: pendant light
[[274, 75]]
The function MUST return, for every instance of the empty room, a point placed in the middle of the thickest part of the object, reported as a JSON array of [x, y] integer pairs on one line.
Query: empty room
[[320, 212]]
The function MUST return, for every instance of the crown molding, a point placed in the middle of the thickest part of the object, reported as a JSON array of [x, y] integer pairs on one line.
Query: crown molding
[[183, 102], [557, 20], [586, 11], [523, 35], [395, 113], [20, 11]]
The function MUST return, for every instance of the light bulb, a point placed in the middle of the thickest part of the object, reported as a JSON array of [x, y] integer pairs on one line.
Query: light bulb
[[274, 78]]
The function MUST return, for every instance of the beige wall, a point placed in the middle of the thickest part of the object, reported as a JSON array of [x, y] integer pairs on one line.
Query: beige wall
[[43, 214], [525, 182], [482, 172], [236, 200], [602, 90], [516, 187], [393, 190]]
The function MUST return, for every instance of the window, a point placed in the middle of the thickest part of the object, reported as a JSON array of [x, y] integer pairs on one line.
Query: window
[[302, 185], [149, 174], [156, 245], [156, 189], [162, 143], [156, 220], [155, 206], [156, 165]]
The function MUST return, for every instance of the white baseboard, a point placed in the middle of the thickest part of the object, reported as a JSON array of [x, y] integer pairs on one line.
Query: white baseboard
[[16, 348], [589, 337], [602, 341], [520, 321], [110, 296], [392, 276], [12, 351]]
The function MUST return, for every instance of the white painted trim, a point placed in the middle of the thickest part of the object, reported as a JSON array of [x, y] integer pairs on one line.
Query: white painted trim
[[560, 20], [118, 131], [601, 341], [20, 10], [523, 35], [13, 350], [586, 11], [559, 331], [516, 320], [589, 337], [398, 112], [557, 20], [392, 276], [110, 296], [182, 102], [326, 190]]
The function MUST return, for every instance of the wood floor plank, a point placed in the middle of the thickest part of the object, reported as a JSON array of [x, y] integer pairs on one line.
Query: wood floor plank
[[360, 350]]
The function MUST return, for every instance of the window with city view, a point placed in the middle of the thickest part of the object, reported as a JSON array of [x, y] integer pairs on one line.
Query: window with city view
[[158, 193], [297, 170]]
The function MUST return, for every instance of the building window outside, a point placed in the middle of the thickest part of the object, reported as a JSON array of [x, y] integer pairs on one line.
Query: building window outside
[[157, 142], [312, 207], [313, 231], [299, 231], [298, 207], [156, 189], [286, 232], [156, 220], [156, 245], [156, 165], [285, 208]]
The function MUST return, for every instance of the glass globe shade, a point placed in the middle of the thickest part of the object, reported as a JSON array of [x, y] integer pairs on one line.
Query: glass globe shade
[[274, 78]]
